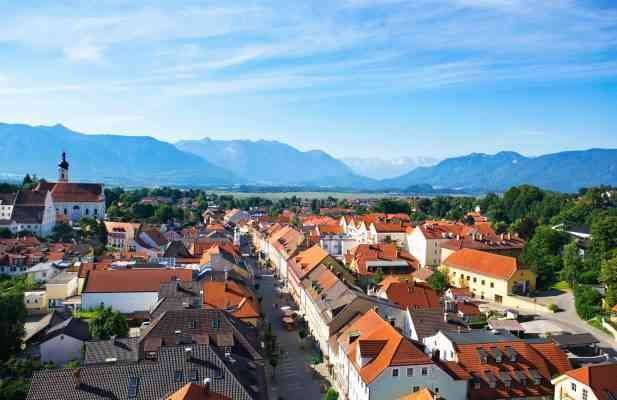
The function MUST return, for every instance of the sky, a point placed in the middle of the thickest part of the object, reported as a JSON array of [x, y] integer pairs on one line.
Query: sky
[[356, 78]]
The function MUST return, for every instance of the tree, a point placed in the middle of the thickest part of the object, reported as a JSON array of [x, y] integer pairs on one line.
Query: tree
[[5, 233], [608, 276], [12, 318], [62, 232], [331, 394], [438, 281], [542, 254], [587, 302], [572, 264], [27, 180], [525, 227], [603, 238], [378, 276], [108, 323], [391, 206], [164, 213]]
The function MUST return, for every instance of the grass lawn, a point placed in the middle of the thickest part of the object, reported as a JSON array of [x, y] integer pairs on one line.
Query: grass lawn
[[596, 322], [86, 314], [562, 285]]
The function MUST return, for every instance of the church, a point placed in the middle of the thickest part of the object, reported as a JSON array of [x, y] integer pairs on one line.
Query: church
[[74, 200]]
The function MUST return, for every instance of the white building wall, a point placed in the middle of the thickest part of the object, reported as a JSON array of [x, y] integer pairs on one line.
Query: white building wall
[[124, 302], [75, 210], [571, 389], [61, 349]]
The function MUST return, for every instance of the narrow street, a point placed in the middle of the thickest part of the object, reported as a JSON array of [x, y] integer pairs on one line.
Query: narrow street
[[292, 379]]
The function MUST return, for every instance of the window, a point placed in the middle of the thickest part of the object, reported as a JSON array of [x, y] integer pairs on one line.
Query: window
[[194, 375], [409, 372], [96, 211], [436, 390], [193, 324], [483, 282], [133, 386], [468, 277], [416, 388], [395, 372], [584, 394], [424, 371], [475, 279], [216, 323], [573, 387], [178, 376], [492, 284], [87, 211]]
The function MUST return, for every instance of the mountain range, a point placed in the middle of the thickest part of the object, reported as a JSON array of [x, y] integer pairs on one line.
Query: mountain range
[[145, 161]]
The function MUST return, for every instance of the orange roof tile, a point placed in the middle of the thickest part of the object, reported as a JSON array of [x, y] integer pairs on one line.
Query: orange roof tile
[[422, 394], [231, 296], [600, 378], [133, 280], [483, 263], [382, 344], [192, 391], [410, 294], [306, 261], [380, 252]]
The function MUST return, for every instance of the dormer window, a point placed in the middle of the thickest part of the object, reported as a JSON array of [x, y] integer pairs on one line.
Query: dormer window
[[535, 376], [511, 354], [483, 356], [496, 354]]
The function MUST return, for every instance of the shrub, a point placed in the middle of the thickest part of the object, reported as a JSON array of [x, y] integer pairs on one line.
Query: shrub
[[553, 307], [587, 302]]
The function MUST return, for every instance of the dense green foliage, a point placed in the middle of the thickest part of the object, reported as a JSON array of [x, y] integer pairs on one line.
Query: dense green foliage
[[587, 302], [108, 323], [438, 281]]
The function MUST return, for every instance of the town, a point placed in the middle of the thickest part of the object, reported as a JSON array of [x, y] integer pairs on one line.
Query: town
[[183, 294]]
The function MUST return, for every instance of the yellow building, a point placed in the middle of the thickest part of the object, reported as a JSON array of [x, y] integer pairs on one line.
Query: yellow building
[[488, 276]]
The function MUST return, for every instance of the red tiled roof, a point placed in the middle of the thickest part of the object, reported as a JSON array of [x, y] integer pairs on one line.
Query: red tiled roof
[[483, 263], [382, 344], [332, 229], [231, 296], [193, 391], [380, 252], [77, 192], [133, 280], [410, 294], [306, 261]]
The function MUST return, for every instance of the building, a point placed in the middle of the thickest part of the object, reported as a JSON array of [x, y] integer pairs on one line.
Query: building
[[374, 361], [64, 342], [333, 240], [302, 264], [501, 365], [488, 276], [505, 244], [60, 288], [283, 244], [409, 294], [128, 290], [233, 298], [121, 235], [367, 259], [74, 200], [155, 378], [194, 391], [31, 211], [594, 382], [235, 216]]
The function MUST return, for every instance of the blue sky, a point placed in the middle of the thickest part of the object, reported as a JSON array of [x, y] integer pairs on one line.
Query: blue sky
[[370, 78]]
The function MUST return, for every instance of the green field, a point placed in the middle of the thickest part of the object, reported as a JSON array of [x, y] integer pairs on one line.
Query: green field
[[306, 195]]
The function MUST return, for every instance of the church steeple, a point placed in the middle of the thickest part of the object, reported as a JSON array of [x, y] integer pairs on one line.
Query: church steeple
[[63, 169]]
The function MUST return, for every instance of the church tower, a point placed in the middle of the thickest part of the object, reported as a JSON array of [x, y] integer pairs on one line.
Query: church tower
[[63, 169]]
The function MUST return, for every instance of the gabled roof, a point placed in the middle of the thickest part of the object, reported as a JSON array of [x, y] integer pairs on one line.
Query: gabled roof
[[410, 294], [600, 378], [232, 297], [422, 394], [385, 252], [73, 327], [133, 280], [429, 321], [77, 192], [483, 263], [305, 261], [193, 391], [380, 344]]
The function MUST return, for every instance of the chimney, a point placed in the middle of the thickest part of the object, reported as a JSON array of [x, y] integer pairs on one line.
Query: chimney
[[77, 378], [206, 386]]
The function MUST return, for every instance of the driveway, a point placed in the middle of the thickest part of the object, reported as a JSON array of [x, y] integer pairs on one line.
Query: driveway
[[293, 379]]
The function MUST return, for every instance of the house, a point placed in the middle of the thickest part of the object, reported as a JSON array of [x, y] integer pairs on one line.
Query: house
[[233, 298], [502, 366], [424, 241], [302, 264], [388, 232], [283, 244], [61, 288], [74, 201], [43, 271], [421, 323], [30, 210], [593, 382], [234, 342], [488, 276], [36, 302], [64, 341], [121, 235], [157, 378], [334, 240], [409, 294], [374, 361], [235, 216], [151, 242], [367, 259], [129, 290]]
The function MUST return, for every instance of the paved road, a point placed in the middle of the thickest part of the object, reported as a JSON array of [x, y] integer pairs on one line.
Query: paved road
[[292, 381], [571, 322]]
